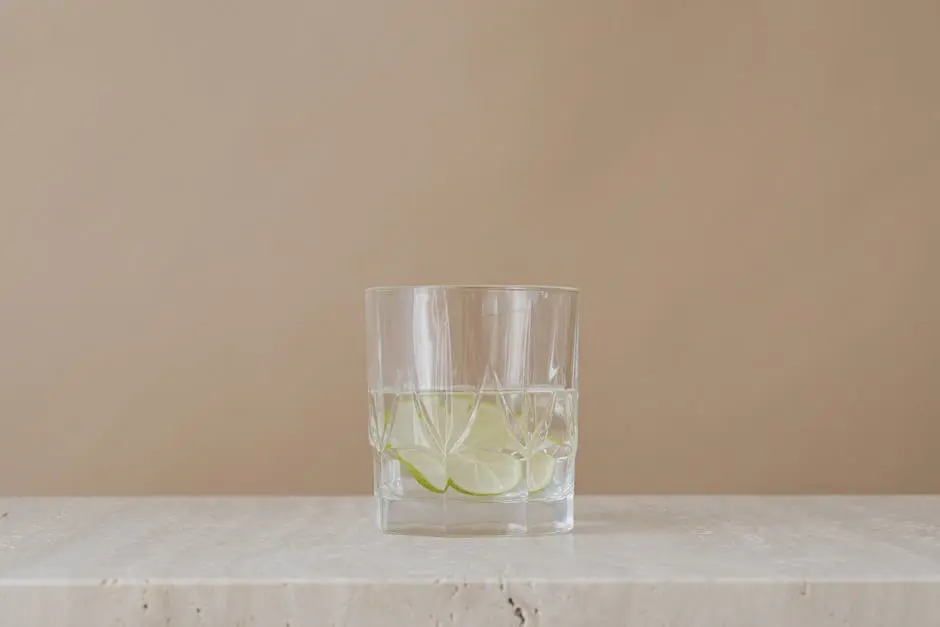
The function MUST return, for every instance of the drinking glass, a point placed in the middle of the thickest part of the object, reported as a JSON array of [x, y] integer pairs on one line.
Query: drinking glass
[[473, 408]]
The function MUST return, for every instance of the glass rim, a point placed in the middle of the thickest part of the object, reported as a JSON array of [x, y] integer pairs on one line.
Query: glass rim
[[471, 287]]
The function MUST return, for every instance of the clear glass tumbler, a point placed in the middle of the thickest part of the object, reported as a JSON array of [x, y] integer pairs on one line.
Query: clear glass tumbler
[[473, 408]]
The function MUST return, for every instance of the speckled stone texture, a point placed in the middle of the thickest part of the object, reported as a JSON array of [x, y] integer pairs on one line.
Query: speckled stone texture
[[638, 561]]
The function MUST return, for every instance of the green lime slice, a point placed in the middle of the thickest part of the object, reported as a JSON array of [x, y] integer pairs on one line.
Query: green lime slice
[[541, 471], [483, 473], [454, 441], [426, 467], [485, 428], [429, 424]]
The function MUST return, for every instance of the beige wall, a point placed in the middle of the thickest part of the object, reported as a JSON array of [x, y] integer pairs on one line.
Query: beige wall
[[193, 196]]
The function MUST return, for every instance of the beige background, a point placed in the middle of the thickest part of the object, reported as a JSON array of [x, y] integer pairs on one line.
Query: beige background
[[193, 196]]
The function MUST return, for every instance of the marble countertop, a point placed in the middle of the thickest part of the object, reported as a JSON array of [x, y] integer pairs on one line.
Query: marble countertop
[[321, 561]]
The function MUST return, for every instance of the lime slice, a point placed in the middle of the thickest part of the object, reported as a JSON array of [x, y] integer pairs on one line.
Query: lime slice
[[485, 428], [431, 424], [454, 440], [541, 471], [426, 467], [483, 473]]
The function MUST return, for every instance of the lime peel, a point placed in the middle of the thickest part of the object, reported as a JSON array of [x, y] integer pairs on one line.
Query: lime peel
[[541, 471], [426, 467], [483, 473]]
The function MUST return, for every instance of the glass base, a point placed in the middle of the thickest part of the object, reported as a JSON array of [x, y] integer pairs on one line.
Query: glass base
[[444, 515]]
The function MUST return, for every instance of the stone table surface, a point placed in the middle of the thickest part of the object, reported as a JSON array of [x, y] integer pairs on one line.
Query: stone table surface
[[635, 561]]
